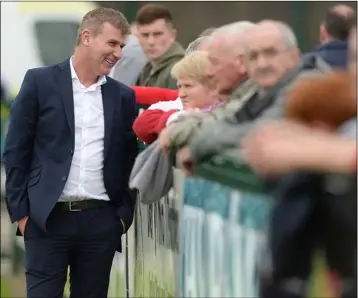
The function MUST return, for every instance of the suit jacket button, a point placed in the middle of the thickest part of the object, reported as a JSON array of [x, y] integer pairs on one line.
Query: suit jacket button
[[63, 178], [71, 152]]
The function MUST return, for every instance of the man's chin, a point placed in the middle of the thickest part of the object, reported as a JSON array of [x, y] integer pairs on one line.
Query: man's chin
[[105, 71], [153, 57]]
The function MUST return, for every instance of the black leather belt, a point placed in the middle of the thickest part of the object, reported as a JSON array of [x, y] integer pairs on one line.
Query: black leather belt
[[72, 206]]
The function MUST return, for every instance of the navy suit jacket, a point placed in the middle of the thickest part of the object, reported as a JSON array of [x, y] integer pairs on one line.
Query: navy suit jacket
[[40, 144], [335, 53]]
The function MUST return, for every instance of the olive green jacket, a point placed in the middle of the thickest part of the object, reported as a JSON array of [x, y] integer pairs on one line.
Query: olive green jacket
[[159, 75]]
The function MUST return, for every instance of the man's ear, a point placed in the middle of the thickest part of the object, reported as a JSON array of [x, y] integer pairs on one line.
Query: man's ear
[[85, 37]]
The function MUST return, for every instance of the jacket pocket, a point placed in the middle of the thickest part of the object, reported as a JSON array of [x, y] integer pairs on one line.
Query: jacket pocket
[[34, 176]]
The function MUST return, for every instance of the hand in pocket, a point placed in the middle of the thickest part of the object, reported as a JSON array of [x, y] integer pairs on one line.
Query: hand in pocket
[[22, 224]]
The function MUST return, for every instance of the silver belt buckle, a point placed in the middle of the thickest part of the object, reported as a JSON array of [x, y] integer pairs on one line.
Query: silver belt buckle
[[73, 209]]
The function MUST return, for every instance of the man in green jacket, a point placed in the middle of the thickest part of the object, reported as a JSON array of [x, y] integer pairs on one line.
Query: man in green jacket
[[157, 37]]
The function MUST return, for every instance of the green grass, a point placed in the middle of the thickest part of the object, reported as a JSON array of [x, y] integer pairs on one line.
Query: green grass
[[150, 285], [148, 281], [5, 290]]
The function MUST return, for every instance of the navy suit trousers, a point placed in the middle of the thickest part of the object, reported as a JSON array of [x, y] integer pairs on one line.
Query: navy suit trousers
[[83, 241]]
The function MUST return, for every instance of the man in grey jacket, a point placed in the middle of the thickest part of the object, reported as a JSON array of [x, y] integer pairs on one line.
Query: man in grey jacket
[[225, 49], [273, 63], [128, 68]]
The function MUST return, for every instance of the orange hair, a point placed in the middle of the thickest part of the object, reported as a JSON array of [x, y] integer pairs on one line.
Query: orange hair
[[327, 99]]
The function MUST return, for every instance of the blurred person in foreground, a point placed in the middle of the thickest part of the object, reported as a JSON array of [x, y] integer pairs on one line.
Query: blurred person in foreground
[[272, 59], [316, 156], [225, 49], [312, 163], [157, 36], [68, 156], [334, 32]]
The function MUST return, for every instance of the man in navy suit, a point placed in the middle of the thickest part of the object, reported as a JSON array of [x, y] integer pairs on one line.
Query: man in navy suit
[[69, 152]]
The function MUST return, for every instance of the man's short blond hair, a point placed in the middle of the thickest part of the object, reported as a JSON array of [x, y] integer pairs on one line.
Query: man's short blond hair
[[195, 66], [96, 18]]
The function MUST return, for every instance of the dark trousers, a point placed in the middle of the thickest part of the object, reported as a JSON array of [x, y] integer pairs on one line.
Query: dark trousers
[[84, 241]]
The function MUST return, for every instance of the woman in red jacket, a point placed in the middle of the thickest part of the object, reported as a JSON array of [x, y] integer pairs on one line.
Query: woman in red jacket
[[197, 91]]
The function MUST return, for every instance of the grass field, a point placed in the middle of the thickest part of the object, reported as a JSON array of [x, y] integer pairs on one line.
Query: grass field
[[5, 290], [319, 285]]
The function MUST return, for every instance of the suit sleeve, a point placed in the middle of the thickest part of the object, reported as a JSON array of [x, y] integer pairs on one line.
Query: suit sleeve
[[18, 147], [126, 210]]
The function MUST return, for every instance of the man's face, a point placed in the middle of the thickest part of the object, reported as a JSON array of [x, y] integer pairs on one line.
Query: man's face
[[156, 38], [104, 49], [223, 66], [267, 56]]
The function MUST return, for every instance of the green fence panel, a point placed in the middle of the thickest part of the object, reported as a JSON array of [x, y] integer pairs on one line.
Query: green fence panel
[[223, 230]]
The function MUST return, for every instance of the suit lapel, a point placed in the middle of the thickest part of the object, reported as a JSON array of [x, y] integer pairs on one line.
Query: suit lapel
[[108, 99], [64, 81]]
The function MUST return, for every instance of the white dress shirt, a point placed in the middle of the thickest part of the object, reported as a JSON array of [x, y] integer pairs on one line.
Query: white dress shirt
[[85, 179]]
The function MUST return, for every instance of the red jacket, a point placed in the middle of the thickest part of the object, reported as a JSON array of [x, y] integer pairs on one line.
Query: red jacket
[[150, 123], [150, 95]]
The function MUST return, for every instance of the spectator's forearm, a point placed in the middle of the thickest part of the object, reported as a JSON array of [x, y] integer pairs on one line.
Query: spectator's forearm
[[335, 155]]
